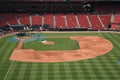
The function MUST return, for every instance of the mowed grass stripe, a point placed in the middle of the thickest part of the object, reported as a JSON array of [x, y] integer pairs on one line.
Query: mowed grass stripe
[[7, 71], [73, 71], [3, 43], [68, 72], [103, 70], [8, 51], [62, 71], [116, 59], [22, 71], [16, 71], [88, 71], [44, 75], [78, 70], [116, 51], [98, 69], [2, 52], [27, 71], [107, 70], [98, 64], [56, 71], [116, 42], [83, 71], [5, 49], [50, 71], [94, 75], [114, 67], [3, 69], [34, 70], [10, 71], [4, 57], [39, 72], [107, 63]]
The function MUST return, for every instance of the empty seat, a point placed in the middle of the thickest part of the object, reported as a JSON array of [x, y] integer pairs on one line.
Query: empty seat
[[48, 20], [36, 20], [2, 23], [105, 20], [10, 18], [60, 21], [23, 18], [71, 20], [83, 21], [96, 25], [116, 22]]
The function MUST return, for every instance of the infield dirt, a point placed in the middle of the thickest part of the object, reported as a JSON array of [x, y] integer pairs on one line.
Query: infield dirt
[[90, 47]]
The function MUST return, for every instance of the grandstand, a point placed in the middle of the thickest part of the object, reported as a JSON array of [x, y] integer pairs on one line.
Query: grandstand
[[77, 15], [58, 15], [88, 15]]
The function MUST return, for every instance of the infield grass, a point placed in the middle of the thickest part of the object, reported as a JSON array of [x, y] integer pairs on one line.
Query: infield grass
[[60, 44], [104, 67]]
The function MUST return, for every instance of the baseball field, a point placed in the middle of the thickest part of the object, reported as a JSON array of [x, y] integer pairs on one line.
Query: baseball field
[[104, 67]]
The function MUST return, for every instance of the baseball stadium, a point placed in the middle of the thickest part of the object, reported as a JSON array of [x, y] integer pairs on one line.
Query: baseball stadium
[[59, 40]]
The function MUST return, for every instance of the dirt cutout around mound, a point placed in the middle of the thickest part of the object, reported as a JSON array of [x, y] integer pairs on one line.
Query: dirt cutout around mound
[[90, 47]]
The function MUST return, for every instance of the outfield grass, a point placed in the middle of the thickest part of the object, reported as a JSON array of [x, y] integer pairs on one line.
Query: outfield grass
[[100, 68], [60, 44]]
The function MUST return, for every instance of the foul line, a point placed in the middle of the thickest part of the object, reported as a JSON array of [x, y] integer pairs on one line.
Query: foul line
[[8, 71]]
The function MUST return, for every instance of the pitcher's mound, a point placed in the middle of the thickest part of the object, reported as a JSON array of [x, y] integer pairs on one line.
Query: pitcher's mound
[[48, 42]]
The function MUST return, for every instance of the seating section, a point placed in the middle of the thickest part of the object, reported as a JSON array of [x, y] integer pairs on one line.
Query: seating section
[[2, 23], [72, 23], [10, 18], [105, 20], [36, 20], [23, 18], [83, 21], [96, 25], [48, 19], [60, 20], [116, 22]]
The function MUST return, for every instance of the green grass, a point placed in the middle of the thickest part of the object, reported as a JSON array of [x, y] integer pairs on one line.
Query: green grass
[[60, 44], [100, 68]]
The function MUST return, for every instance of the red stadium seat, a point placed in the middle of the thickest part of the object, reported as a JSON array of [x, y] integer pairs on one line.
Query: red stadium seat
[[2, 23], [105, 20], [10, 18], [23, 18], [60, 20], [83, 21], [36, 20], [116, 22], [72, 23], [96, 25], [48, 19]]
